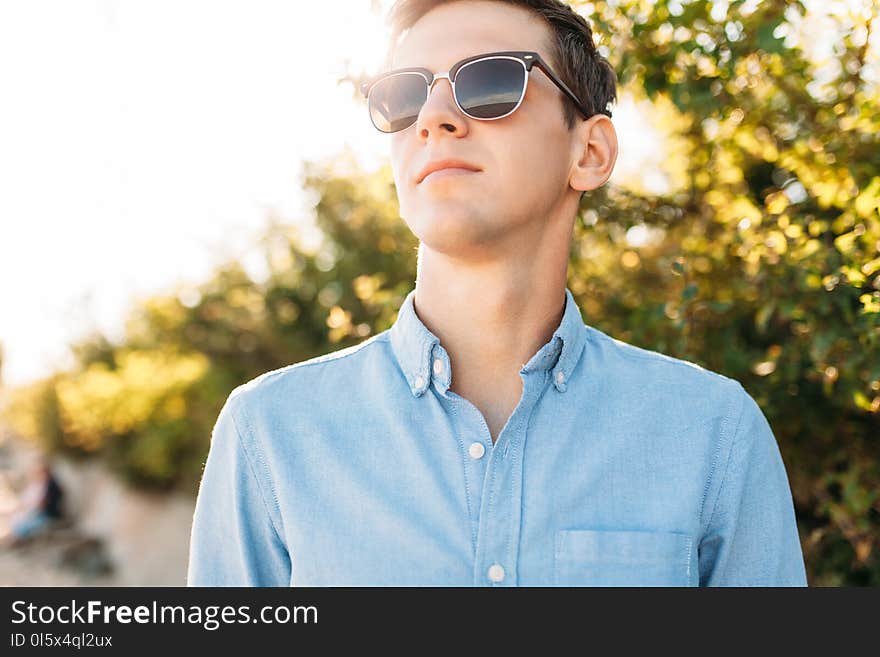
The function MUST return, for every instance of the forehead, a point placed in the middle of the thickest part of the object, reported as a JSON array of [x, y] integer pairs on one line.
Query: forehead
[[478, 26]]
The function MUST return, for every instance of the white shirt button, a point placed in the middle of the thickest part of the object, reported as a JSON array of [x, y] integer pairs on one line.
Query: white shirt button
[[438, 366], [476, 450], [419, 381], [560, 377], [496, 572]]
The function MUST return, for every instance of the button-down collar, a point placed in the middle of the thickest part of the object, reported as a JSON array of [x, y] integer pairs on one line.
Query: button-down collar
[[422, 357]]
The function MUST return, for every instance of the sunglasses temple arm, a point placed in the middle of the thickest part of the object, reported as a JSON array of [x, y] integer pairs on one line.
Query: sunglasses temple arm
[[568, 92]]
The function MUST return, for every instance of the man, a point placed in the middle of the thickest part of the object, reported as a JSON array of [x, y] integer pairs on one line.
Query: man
[[490, 437]]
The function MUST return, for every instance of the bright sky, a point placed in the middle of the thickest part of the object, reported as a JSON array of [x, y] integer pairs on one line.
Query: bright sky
[[143, 143]]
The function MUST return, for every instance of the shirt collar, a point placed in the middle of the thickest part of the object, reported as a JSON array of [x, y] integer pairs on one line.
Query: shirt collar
[[421, 356]]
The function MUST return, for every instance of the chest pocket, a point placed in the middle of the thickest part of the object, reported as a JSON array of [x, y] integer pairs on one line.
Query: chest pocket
[[594, 557]]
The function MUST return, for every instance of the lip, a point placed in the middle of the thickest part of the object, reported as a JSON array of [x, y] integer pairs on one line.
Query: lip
[[451, 167], [445, 173]]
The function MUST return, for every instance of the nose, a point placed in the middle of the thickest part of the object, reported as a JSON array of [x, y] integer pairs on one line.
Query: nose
[[440, 110]]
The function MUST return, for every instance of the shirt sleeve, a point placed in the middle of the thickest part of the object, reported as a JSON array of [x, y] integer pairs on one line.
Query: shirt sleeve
[[752, 536], [235, 540]]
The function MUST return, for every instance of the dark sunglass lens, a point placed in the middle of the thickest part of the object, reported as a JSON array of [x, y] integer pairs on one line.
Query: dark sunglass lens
[[395, 102], [490, 88]]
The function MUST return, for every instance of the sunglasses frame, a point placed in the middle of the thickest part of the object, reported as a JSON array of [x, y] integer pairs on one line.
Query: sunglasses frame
[[527, 58]]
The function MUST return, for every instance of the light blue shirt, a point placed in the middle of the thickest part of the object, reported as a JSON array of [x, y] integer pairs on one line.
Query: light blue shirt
[[619, 466]]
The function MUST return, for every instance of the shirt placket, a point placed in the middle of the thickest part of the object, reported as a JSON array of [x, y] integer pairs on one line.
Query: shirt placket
[[496, 472]]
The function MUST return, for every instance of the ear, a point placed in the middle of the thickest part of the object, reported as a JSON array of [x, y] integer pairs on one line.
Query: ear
[[594, 147]]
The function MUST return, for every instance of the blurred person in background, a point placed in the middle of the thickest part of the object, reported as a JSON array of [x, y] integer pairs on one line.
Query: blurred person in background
[[38, 505]]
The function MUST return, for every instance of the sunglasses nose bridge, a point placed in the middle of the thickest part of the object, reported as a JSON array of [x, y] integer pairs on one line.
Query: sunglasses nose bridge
[[438, 76]]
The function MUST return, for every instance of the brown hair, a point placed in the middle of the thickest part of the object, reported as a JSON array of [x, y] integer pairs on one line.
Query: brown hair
[[573, 55]]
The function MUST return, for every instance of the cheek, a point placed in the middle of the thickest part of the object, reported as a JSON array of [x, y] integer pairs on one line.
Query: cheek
[[396, 161], [532, 167]]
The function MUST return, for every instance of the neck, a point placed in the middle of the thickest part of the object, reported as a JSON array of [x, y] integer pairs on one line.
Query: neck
[[490, 317]]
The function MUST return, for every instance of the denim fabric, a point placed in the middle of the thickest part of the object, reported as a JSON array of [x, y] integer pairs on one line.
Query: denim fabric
[[619, 466]]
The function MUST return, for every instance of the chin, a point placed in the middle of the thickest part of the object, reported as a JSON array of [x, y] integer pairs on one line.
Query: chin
[[459, 235], [443, 225]]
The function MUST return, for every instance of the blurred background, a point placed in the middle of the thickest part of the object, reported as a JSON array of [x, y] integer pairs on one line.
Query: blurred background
[[191, 194]]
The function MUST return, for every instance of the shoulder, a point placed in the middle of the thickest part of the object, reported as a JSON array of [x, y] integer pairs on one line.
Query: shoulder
[[654, 363], [332, 371], [654, 384]]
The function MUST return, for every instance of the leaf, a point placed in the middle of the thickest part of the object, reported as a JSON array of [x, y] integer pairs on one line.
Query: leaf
[[763, 316], [869, 199], [766, 41]]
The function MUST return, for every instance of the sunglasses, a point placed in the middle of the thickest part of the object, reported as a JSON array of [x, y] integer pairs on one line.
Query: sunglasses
[[485, 87]]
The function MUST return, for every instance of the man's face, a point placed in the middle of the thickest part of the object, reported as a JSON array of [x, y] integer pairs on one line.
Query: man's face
[[524, 159]]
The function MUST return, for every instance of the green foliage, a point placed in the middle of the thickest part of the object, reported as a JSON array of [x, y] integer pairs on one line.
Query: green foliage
[[761, 262]]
